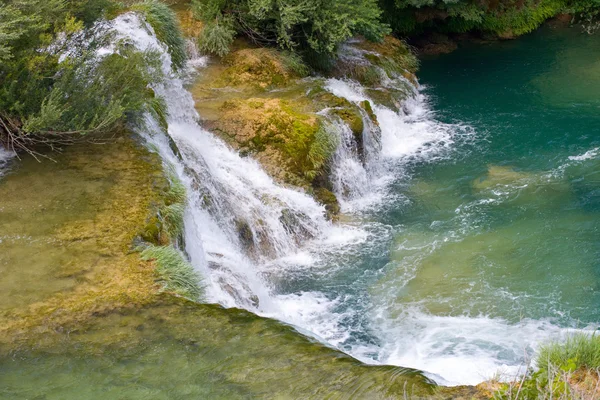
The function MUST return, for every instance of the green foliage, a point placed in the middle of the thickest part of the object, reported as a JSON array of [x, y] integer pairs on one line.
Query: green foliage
[[166, 26], [502, 17], [171, 213], [556, 363], [587, 12], [216, 38], [315, 26], [582, 349], [321, 150], [174, 272], [49, 100], [518, 21], [89, 97]]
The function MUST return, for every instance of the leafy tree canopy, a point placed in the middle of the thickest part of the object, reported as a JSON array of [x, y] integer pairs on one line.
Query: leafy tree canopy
[[317, 26]]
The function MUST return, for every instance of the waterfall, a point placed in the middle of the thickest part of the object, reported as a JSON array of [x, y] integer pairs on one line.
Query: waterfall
[[250, 237], [238, 218]]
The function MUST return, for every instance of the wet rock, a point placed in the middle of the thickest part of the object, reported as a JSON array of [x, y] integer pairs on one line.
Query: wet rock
[[245, 234]]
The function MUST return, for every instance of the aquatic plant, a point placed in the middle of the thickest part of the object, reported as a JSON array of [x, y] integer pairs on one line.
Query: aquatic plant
[[166, 26], [174, 272]]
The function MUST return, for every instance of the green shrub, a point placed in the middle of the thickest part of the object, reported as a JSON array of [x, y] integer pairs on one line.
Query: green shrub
[[94, 98], [216, 38], [502, 17], [44, 101], [308, 25]]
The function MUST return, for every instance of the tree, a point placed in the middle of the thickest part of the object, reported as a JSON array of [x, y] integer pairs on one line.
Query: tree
[[317, 26]]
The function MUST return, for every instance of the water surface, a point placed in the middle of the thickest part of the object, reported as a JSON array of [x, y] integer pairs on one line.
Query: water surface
[[490, 244]]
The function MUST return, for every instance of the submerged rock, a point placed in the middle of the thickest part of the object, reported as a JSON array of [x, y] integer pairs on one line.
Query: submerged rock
[[67, 232]]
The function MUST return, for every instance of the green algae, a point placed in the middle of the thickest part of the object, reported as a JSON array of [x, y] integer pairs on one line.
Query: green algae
[[59, 219]]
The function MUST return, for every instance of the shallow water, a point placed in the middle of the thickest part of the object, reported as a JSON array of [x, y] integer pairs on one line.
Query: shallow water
[[175, 350]]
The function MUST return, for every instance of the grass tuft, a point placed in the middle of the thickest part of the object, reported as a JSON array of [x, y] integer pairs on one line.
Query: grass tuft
[[579, 349], [174, 272], [566, 370]]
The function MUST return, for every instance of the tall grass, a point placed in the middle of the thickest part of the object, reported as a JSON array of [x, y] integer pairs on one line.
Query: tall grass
[[174, 272], [172, 212], [579, 349], [566, 370]]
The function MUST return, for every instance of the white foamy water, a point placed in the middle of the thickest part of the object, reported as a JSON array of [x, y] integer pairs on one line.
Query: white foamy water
[[588, 155], [412, 134], [5, 157], [251, 237]]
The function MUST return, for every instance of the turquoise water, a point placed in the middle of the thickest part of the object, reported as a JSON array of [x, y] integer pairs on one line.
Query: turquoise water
[[529, 186], [487, 248]]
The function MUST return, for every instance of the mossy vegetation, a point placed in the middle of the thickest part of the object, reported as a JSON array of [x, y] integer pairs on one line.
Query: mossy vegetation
[[175, 348], [98, 200], [262, 68], [290, 144], [261, 102]]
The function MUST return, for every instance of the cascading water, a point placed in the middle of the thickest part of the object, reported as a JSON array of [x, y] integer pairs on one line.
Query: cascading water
[[5, 157], [270, 249]]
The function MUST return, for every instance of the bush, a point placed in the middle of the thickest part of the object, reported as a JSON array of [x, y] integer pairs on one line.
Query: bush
[[503, 17], [90, 98], [51, 101], [306, 25]]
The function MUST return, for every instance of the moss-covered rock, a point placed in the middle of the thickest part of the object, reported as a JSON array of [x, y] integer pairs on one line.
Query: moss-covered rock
[[277, 133], [260, 102], [327, 198], [262, 68], [372, 64]]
